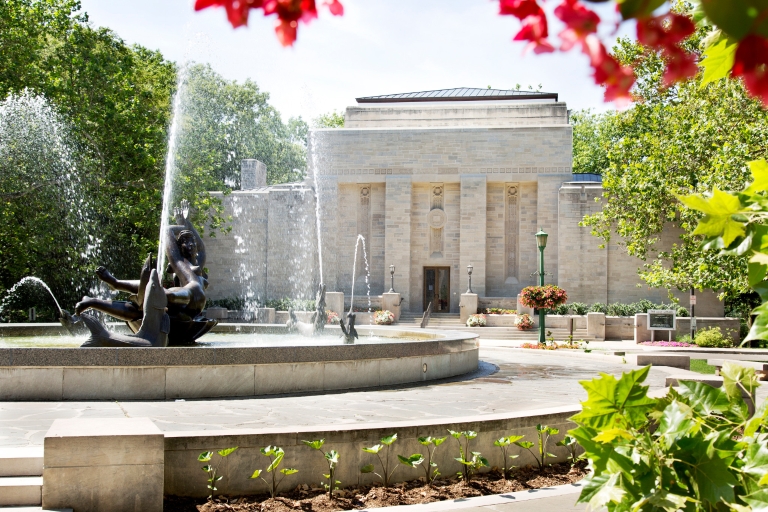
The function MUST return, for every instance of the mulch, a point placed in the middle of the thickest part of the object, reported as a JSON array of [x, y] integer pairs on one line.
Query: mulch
[[306, 499]]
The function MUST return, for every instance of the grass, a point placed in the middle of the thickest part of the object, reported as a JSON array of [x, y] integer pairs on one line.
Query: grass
[[701, 366]]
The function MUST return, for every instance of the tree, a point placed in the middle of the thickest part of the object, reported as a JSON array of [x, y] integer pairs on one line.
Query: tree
[[678, 140], [224, 122], [331, 119], [590, 145]]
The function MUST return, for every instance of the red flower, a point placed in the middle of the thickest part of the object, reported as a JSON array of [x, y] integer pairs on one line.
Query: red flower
[[579, 21], [751, 64], [521, 9], [535, 30], [335, 7], [665, 31], [617, 79], [680, 65]]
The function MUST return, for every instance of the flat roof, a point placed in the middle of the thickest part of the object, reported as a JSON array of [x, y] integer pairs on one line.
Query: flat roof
[[459, 94]]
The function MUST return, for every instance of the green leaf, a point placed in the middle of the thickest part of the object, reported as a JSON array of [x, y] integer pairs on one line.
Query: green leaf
[[756, 462], [412, 461], [374, 449], [667, 501], [608, 435], [736, 377], [276, 461], [217, 478], [612, 402], [759, 419], [601, 489], [315, 445], [638, 8], [732, 16], [332, 457], [676, 421], [389, 439], [426, 441], [439, 440], [368, 468], [718, 220], [759, 329], [524, 444], [759, 170], [454, 434], [226, 451], [289, 471], [757, 500], [469, 434], [207, 468], [703, 398], [256, 474], [756, 271], [712, 474], [763, 480], [503, 441], [718, 60], [205, 456]]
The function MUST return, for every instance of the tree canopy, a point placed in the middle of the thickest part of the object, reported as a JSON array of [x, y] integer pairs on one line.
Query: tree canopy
[[678, 140]]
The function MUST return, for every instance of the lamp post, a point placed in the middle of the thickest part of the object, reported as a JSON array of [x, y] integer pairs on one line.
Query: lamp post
[[541, 242], [392, 279], [469, 273]]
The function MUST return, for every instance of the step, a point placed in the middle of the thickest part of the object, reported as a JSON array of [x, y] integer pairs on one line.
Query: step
[[27, 461], [21, 490]]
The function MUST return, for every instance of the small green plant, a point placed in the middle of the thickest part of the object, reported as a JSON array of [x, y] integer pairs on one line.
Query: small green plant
[[386, 474], [585, 344], [275, 454], [332, 459], [212, 470], [570, 444], [430, 473], [712, 338], [543, 432], [412, 462], [503, 444], [468, 464]]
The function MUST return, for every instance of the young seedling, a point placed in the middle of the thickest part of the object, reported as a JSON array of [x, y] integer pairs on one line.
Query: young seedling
[[412, 462], [543, 432], [503, 444], [468, 464], [275, 454], [570, 445], [212, 470], [385, 475], [435, 442], [332, 459]]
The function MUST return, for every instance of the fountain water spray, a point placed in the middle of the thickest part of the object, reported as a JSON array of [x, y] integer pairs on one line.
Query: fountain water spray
[[30, 280], [315, 169], [360, 238], [170, 164]]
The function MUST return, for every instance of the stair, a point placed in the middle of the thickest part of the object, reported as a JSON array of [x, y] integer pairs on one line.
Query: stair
[[21, 478], [452, 322]]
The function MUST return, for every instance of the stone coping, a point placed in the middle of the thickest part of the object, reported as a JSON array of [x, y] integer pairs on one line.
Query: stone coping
[[448, 343]]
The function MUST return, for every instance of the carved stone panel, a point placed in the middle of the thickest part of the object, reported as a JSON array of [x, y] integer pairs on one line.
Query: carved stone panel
[[512, 232], [436, 219]]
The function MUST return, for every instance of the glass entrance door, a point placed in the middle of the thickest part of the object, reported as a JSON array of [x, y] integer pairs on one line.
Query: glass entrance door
[[437, 288]]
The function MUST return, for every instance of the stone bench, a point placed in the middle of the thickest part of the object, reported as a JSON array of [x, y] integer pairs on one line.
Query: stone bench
[[675, 361], [761, 368]]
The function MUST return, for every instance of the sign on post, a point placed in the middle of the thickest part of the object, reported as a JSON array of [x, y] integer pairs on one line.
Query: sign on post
[[662, 320]]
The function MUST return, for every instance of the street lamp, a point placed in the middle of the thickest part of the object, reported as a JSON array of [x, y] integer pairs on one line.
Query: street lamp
[[392, 279], [469, 272], [541, 242]]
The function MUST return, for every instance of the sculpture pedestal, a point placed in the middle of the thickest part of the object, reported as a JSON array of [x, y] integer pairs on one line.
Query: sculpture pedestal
[[468, 306], [391, 302], [334, 301], [99, 464]]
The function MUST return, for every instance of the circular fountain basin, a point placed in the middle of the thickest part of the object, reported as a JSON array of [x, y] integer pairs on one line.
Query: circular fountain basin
[[235, 361]]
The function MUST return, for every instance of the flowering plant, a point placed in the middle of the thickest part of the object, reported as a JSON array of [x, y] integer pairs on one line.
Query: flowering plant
[[524, 322], [383, 317], [667, 344], [499, 311], [476, 321], [332, 318], [543, 297]]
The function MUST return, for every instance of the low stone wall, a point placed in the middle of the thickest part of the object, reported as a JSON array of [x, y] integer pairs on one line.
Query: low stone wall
[[184, 478], [563, 322], [500, 320], [619, 327], [207, 372], [729, 327], [496, 302]]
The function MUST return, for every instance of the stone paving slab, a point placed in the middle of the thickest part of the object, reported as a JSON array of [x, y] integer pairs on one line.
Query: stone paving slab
[[525, 380]]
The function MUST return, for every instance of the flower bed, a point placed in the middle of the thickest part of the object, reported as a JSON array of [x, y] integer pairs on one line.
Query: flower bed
[[476, 321], [315, 499], [332, 318], [667, 344], [499, 311], [543, 297], [385, 317], [550, 346], [524, 322]]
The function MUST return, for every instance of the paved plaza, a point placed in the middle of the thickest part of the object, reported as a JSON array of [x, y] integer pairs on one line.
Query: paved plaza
[[509, 380]]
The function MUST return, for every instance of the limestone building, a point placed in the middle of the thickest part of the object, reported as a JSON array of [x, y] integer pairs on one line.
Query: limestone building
[[434, 182]]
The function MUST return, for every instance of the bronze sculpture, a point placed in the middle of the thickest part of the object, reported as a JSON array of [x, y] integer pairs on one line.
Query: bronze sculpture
[[185, 252]]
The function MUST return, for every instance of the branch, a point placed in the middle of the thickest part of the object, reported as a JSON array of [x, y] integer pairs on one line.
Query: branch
[[30, 189]]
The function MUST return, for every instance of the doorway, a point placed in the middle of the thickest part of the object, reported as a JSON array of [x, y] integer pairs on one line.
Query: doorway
[[437, 288]]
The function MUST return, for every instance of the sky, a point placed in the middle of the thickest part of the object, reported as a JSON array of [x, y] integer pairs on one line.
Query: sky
[[377, 47]]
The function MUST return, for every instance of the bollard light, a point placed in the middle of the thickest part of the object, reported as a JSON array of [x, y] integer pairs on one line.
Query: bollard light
[[469, 273], [392, 279]]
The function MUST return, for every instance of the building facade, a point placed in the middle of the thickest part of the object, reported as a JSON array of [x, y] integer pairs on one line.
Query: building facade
[[432, 182]]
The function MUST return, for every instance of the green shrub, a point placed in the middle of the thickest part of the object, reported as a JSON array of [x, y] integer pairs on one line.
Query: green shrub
[[232, 303], [579, 308], [562, 309], [712, 338], [297, 304], [597, 307]]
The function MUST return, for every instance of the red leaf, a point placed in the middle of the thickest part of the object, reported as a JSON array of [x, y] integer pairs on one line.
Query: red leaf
[[335, 7], [680, 65], [521, 9], [535, 30], [286, 31], [579, 21], [665, 31]]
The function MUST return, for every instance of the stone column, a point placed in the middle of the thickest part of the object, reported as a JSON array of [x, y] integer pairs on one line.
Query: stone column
[[468, 305], [472, 232], [397, 232], [596, 325], [253, 174], [547, 217], [99, 464], [391, 302]]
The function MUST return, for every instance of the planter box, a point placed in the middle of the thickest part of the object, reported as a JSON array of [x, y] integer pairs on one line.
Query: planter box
[[500, 320]]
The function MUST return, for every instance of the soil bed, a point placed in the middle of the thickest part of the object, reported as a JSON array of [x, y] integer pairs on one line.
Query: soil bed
[[408, 493]]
